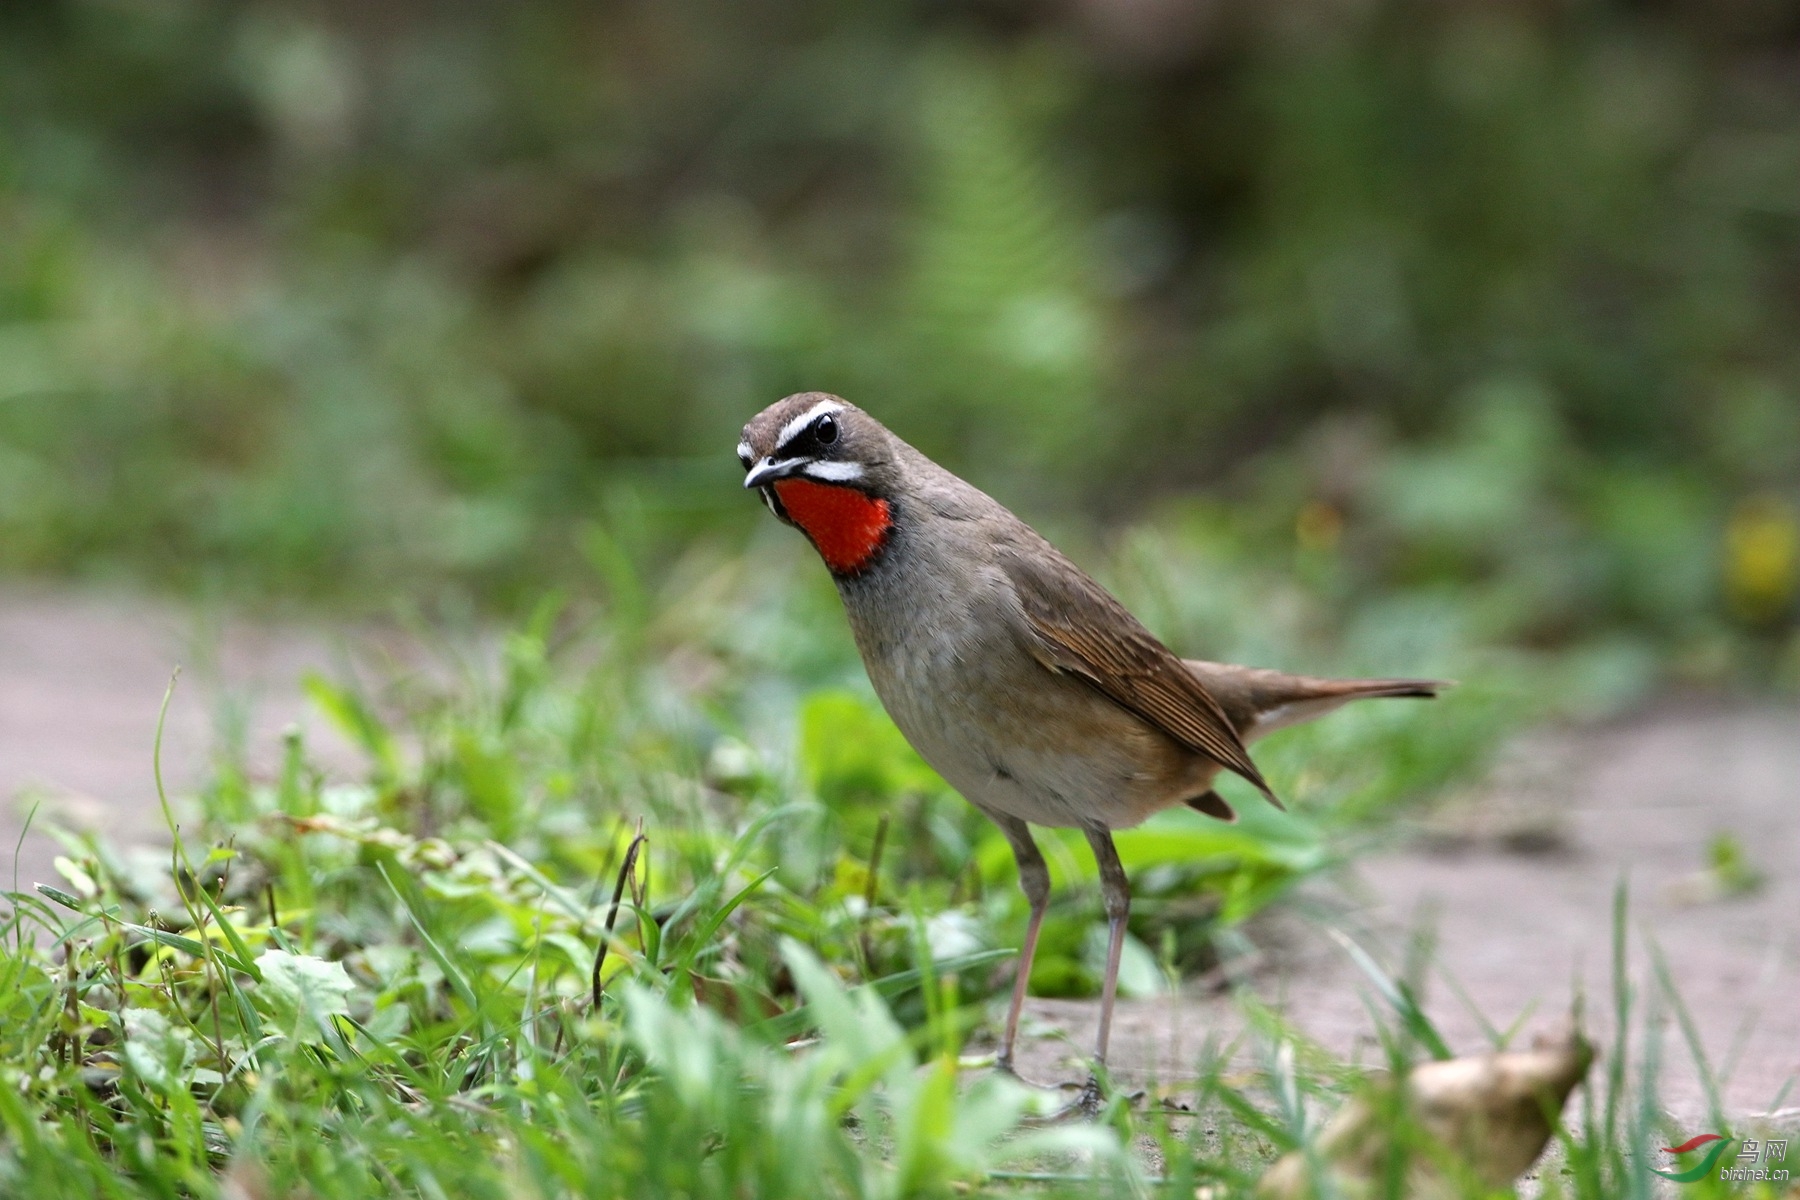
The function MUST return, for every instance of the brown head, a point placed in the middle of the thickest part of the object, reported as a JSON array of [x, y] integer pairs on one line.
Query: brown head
[[828, 468]]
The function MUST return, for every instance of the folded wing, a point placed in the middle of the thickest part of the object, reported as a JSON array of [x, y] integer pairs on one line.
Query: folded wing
[[1079, 628]]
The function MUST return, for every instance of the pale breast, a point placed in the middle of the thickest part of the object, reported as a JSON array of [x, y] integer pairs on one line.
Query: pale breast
[[1008, 733]]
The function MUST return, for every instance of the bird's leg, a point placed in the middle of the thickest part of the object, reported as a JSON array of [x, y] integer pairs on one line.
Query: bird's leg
[[1115, 892], [1034, 880]]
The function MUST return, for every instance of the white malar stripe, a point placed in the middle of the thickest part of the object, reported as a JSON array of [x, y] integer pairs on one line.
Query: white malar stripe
[[769, 500], [795, 427], [745, 453], [833, 472]]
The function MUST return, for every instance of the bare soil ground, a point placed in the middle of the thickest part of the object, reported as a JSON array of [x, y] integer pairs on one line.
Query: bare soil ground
[[82, 678], [1517, 885], [1516, 881]]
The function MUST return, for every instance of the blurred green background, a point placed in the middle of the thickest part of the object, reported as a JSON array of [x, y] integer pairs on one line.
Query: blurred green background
[[1480, 309]]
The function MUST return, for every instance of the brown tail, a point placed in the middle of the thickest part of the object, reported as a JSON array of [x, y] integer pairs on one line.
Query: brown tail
[[1362, 689], [1260, 702]]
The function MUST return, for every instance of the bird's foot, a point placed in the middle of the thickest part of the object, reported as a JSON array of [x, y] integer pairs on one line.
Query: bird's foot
[[1042, 1108], [1089, 1102]]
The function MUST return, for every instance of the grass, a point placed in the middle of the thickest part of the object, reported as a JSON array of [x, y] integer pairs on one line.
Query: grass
[[390, 986]]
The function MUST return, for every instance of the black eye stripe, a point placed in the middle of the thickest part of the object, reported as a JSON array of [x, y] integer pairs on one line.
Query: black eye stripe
[[812, 439]]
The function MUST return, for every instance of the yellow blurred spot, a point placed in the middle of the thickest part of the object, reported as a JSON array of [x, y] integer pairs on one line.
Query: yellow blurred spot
[[1318, 526], [1762, 558]]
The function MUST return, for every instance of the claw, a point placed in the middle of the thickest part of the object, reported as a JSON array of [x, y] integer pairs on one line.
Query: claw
[[1088, 1103]]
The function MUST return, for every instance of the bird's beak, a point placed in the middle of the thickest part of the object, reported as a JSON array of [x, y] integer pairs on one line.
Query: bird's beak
[[770, 469]]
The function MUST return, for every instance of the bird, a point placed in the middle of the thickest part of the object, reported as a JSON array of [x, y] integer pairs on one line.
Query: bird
[[1025, 684]]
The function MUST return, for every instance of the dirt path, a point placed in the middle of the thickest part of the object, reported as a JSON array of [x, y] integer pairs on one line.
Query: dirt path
[[1522, 930], [81, 678]]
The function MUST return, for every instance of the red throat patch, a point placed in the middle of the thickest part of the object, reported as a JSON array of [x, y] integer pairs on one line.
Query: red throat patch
[[847, 526]]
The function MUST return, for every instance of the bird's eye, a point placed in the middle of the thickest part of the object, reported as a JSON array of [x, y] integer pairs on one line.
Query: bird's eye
[[826, 430]]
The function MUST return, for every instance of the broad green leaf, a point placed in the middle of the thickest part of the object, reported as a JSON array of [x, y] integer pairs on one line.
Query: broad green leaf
[[157, 1050], [303, 992]]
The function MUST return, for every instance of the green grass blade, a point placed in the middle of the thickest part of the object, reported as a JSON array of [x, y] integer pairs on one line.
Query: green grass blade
[[1399, 997]]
